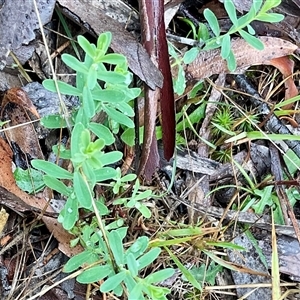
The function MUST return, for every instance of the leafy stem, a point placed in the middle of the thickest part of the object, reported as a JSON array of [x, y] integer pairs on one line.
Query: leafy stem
[[101, 90], [257, 12]]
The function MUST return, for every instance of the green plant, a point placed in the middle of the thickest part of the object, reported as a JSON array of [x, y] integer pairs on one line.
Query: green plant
[[29, 180], [105, 257], [260, 199], [247, 122], [259, 11], [196, 236], [204, 273], [222, 155], [196, 33], [222, 122]]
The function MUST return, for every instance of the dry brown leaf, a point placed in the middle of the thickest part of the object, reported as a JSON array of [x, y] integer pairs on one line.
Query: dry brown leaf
[[7, 181], [286, 67], [19, 110], [210, 62], [290, 120]]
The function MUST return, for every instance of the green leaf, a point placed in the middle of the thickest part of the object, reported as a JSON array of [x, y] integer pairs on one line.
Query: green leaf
[[252, 40], [90, 164], [103, 41], [113, 59], [266, 199], [171, 50], [112, 282], [132, 93], [64, 88], [54, 121], [257, 5], [80, 80], [111, 157], [270, 4], [86, 46], [272, 136], [144, 210], [212, 21], [94, 274], [80, 117], [85, 139], [213, 43], [225, 46], [124, 108], [118, 290], [138, 247], [118, 117], [76, 139], [88, 102], [2, 123], [74, 63], [204, 274], [108, 95], [184, 271], [160, 276], [250, 29], [85, 257], [61, 151], [292, 161], [128, 177], [148, 257], [136, 292], [142, 195], [203, 33], [102, 132], [119, 200], [102, 208], [115, 224], [156, 292], [231, 11], [111, 77], [132, 264], [56, 185], [91, 79], [82, 190], [29, 180], [105, 174], [136, 188], [116, 246], [270, 17], [69, 214], [194, 117], [128, 137], [51, 169], [180, 82], [190, 55], [231, 61], [250, 16]]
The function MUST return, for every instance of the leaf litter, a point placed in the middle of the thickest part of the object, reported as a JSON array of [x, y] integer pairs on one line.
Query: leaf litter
[[206, 65]]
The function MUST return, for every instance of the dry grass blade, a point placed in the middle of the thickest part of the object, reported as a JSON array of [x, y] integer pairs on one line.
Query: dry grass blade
[[275, 265], [62, 104]]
